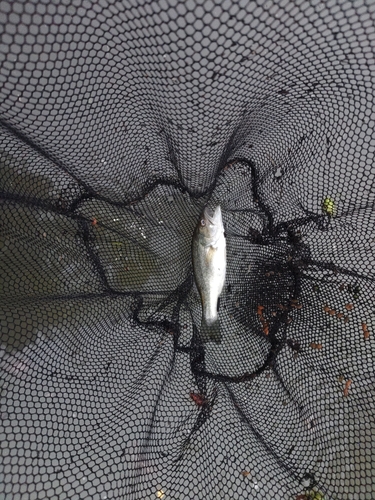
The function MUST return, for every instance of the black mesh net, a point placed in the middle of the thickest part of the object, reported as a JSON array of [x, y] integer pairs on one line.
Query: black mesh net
[[119, 122]]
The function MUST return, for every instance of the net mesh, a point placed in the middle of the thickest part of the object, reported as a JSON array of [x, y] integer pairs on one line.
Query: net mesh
[[119, 122]]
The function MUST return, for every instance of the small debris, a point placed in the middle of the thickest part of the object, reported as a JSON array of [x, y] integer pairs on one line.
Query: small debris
[[294, 304], [329, 206], [198, 399], [341, 378], [313, 495], [316, 495], [262, 319], [355, 291], [294, 344], [347, 386], [339, 315], [94, 222], [313, 345], [245, 473], [229, 165]]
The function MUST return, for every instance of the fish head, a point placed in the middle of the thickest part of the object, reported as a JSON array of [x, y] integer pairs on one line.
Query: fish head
[[211, 223]]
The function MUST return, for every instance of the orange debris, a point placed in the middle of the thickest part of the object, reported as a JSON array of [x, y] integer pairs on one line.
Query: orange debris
[[316, 346], [347, 386], [366, 333], [260, 310]]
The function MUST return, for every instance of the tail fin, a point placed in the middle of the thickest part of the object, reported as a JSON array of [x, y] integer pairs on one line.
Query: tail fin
[[211, 332]]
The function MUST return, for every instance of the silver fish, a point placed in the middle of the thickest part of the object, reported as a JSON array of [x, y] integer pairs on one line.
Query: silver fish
[[209, 264]]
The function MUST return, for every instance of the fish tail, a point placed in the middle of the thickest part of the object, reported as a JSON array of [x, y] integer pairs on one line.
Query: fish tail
[[211, 332], [210, 310]]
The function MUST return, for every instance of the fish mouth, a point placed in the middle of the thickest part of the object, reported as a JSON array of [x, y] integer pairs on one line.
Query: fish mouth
[[210, 214]]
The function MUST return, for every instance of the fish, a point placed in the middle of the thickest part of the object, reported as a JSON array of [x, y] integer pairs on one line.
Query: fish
[[209, 264]]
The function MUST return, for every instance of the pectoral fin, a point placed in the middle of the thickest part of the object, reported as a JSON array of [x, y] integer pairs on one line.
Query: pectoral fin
[[210, 254]]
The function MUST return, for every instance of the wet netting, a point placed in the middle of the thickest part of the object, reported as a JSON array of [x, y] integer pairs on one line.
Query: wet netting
[[120, 121]]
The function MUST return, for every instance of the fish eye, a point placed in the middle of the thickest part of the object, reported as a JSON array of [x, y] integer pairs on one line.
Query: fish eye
[[203, 222]]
